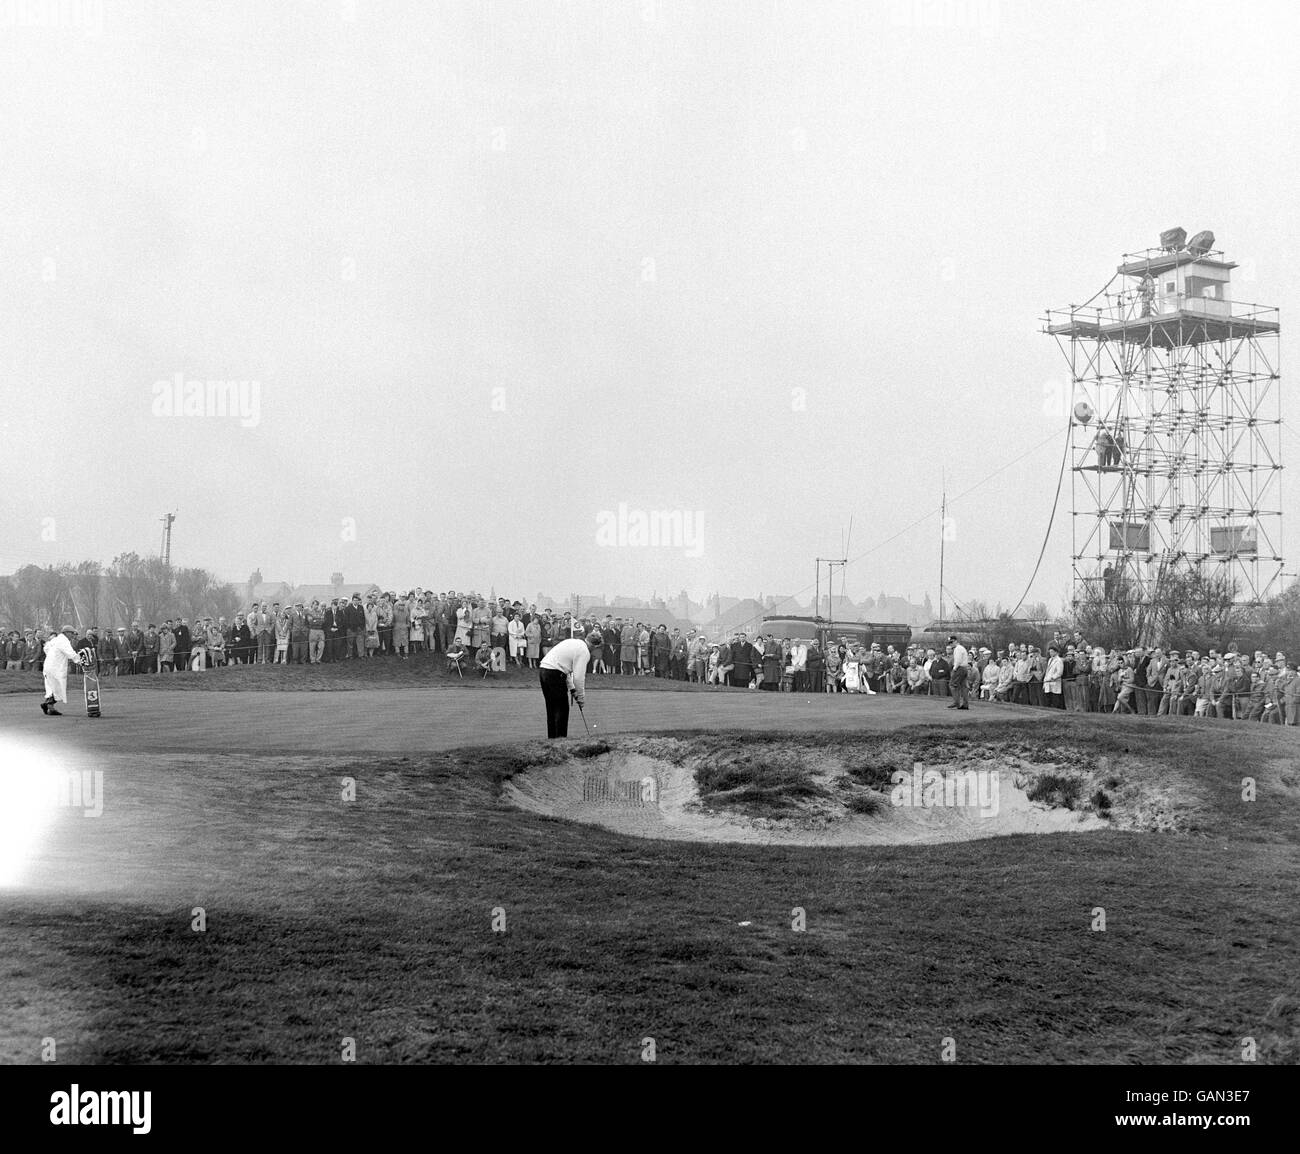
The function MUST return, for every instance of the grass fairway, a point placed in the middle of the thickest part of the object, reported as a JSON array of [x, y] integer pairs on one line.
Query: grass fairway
[[373, 918]]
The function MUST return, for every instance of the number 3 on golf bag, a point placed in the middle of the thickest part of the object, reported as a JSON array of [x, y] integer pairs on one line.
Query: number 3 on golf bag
[[90, 681]]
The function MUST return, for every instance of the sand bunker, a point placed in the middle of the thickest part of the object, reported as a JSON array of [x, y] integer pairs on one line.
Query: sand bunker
[[645, 796]]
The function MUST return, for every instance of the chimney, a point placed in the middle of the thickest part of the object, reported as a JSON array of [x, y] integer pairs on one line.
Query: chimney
[[336, 580]]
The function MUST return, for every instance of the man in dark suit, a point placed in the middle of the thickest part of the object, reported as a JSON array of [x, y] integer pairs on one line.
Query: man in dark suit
[[354, 619], [743, 659], [678, 656], [299, 635], [335, 632], [610, 642], [135, 649], [107, 648], [183, 643], [661, 648]]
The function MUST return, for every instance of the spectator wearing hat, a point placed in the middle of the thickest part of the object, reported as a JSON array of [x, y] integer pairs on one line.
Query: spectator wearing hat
[[940, 674], [283, 634], [261, 629], [816, 666], [135, 648], [402, 629], [1171, 683], [243, 646], [891, 676], [181, 655], [166, 647], [149, 654], [1053, 679], [315, 632], [354, 622], [627, 642], [661, 648], [371, 617], [989, 679], [385, 610], [299, 634], [743, 659], [216, 641], [1037, 670], [14, 650]]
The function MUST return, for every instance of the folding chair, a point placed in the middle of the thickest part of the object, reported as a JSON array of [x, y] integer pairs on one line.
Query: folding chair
[[454, 661]]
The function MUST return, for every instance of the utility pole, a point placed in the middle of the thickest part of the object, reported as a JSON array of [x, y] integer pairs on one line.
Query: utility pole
[[831, 562]]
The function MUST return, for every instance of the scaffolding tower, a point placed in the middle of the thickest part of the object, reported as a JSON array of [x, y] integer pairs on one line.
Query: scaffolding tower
[[1176, 425]]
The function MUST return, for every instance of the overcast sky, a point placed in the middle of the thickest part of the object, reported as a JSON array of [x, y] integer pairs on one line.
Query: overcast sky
[[498, 268]]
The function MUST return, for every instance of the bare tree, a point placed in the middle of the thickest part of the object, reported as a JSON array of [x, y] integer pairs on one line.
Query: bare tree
[[199, 594], [1280, 620], [1185, 608], [44, 594], [85, 586], [15, 613], [127, 580]]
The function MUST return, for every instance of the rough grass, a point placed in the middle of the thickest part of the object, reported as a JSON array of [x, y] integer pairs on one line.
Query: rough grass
[[758, 779], [1056, 789], [375, 921], [776, 775]]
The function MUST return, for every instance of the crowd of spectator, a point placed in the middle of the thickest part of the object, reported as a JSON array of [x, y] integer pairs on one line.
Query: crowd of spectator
[[495, 634]]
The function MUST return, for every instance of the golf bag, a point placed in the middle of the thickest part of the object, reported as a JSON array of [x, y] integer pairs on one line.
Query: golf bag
[[90, 681]]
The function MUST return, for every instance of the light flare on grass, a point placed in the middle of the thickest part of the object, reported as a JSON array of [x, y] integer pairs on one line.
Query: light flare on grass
[[31, 779]]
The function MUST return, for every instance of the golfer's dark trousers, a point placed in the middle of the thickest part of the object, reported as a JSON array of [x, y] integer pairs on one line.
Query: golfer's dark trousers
[[959, 687], [555, 691]]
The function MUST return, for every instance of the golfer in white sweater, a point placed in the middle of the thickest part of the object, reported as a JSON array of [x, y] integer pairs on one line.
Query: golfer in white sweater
[[59, 654]]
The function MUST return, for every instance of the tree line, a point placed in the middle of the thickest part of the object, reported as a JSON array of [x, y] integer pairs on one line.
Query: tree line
[[132, 588]]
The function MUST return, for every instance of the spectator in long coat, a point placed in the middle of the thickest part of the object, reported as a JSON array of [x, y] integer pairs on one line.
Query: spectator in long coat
[[627, 648], [661, 647], [680, 655], [743, 660], [517, 633], [166, 649], [771, 665], [108, 653], [816, 667], [402, 626], [183, 643], [610, 643]]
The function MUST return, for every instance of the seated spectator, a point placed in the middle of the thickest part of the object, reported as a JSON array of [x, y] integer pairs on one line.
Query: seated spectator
[[989, 680]]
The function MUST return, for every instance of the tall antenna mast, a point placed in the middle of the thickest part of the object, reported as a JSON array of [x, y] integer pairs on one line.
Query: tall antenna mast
[[167, 519], [943, 533]]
